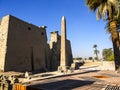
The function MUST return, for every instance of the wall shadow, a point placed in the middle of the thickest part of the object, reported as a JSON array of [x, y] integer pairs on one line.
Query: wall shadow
[[60, 85], [65, 75]]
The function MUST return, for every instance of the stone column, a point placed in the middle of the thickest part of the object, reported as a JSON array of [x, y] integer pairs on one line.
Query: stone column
[[63, 62]]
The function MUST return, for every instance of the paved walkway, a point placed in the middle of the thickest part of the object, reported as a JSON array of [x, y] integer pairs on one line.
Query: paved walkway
[[88, 77], [79, 80]]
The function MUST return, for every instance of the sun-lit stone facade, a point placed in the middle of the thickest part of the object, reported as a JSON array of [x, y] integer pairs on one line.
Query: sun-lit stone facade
[[24, 47]]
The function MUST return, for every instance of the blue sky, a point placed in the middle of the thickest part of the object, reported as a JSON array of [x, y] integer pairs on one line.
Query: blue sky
[[83, 30]]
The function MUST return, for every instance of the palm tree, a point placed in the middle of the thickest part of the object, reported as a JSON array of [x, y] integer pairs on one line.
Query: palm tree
[[96, 51], [108, 10]]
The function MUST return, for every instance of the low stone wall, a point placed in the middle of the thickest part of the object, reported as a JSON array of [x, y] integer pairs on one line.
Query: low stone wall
[[108, 65]]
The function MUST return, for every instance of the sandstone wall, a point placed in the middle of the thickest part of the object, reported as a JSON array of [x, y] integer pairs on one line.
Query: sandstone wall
[[23, 47], [26, 46], [55, 42], [55, 50], [3, 40], [69, 53]]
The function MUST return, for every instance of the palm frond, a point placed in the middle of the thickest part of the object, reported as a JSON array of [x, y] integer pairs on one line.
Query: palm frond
[[98, 15], [93, 4], [106, 9]]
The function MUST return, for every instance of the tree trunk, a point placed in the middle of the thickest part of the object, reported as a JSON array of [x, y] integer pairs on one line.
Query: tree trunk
[[96, 52], [97, 56], [116, 44]]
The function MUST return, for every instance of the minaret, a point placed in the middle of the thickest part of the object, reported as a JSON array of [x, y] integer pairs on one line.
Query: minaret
[[63, 42]]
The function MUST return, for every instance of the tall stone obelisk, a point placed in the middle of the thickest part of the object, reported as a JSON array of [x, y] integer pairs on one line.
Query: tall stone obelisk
[[63, 62], [63, 42]]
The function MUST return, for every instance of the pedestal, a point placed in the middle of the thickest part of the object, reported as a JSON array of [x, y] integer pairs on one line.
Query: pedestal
[[63, 69]]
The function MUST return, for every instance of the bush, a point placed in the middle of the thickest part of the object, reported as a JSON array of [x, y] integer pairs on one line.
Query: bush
[[79, 58], [90, 58], [96, 58]]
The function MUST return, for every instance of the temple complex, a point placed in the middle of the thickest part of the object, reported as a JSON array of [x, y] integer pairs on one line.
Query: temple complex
[[24, 47]]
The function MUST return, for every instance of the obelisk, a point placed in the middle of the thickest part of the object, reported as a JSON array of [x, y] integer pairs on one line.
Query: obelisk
[[63, 62]]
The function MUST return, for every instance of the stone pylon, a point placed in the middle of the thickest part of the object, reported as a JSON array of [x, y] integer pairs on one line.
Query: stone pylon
[[63, 58]]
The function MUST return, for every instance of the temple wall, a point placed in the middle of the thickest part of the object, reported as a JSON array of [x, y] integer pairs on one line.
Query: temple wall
[[55, 42], [26, 44], [4, 23]]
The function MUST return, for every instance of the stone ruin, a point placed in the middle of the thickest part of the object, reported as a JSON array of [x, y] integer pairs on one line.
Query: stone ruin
[[24, 47], [7, 82]]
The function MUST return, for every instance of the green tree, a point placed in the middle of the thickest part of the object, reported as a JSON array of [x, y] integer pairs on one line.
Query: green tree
[[96, 51], [111, 58], [109, 11], [95, 58], [108, 54], [79, 58], [90, 58]]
